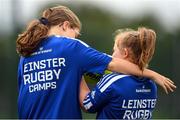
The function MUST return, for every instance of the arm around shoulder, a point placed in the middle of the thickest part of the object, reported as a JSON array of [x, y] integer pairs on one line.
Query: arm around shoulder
[[126, 67]]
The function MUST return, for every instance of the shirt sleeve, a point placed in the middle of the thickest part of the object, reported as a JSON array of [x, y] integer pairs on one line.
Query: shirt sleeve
[[95, 100], [91, 60]]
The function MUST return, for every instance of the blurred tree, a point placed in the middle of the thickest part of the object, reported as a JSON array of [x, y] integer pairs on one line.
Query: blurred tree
[[98, 26]]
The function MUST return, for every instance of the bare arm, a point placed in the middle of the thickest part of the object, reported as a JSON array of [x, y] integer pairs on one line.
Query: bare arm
[[126, 67], [84, 90]]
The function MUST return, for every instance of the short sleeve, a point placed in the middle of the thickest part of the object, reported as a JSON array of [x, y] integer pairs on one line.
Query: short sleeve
[[91, 60]]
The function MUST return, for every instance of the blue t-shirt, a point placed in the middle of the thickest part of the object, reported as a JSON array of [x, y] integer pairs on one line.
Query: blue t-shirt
[[119, 96], [49, 79]]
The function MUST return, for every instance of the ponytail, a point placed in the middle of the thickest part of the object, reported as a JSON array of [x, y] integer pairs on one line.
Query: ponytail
[[147, 39], [140, 45], [29, 40]]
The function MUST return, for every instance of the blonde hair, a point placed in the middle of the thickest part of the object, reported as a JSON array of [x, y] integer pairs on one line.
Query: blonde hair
[[140, 44], [28, 41]]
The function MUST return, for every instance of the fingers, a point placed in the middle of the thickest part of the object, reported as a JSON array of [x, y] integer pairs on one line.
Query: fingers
[[165, 89], [168, 85], [172, 86], [169, 80]]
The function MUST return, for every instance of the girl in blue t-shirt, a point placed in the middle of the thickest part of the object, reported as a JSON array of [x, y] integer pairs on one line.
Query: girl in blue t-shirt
[[121, 96], [53, 62]]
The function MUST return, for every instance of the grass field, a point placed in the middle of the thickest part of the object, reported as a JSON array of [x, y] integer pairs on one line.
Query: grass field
[[88, 115]]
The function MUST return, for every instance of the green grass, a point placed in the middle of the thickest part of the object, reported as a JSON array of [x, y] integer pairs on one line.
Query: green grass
[[88, 115]]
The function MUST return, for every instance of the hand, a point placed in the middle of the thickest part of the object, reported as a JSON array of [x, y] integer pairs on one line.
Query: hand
[[165, 83]]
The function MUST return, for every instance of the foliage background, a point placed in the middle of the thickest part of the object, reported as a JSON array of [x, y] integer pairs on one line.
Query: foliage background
[[98, 26]]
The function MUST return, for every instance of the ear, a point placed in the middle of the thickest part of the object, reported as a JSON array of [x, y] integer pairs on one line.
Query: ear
[[65, 25], [125, 53]]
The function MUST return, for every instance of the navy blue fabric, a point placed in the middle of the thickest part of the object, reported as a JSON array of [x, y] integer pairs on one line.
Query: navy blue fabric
[[118, 96], [49, 79]]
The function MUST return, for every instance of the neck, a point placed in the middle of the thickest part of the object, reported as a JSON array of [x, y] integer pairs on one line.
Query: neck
[[130, 60], [55, 31]]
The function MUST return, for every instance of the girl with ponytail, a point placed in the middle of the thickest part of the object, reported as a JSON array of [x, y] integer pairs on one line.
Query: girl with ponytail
[[123, 96], [137, 46], [37, 30], [52, 64]]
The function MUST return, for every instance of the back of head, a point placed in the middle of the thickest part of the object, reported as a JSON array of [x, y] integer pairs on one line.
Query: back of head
[[140, 45], [37, 30]]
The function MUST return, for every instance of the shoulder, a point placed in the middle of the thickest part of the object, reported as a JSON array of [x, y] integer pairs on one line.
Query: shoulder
[[108, 80], [151, 83], [145, 81], [70, 40]]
